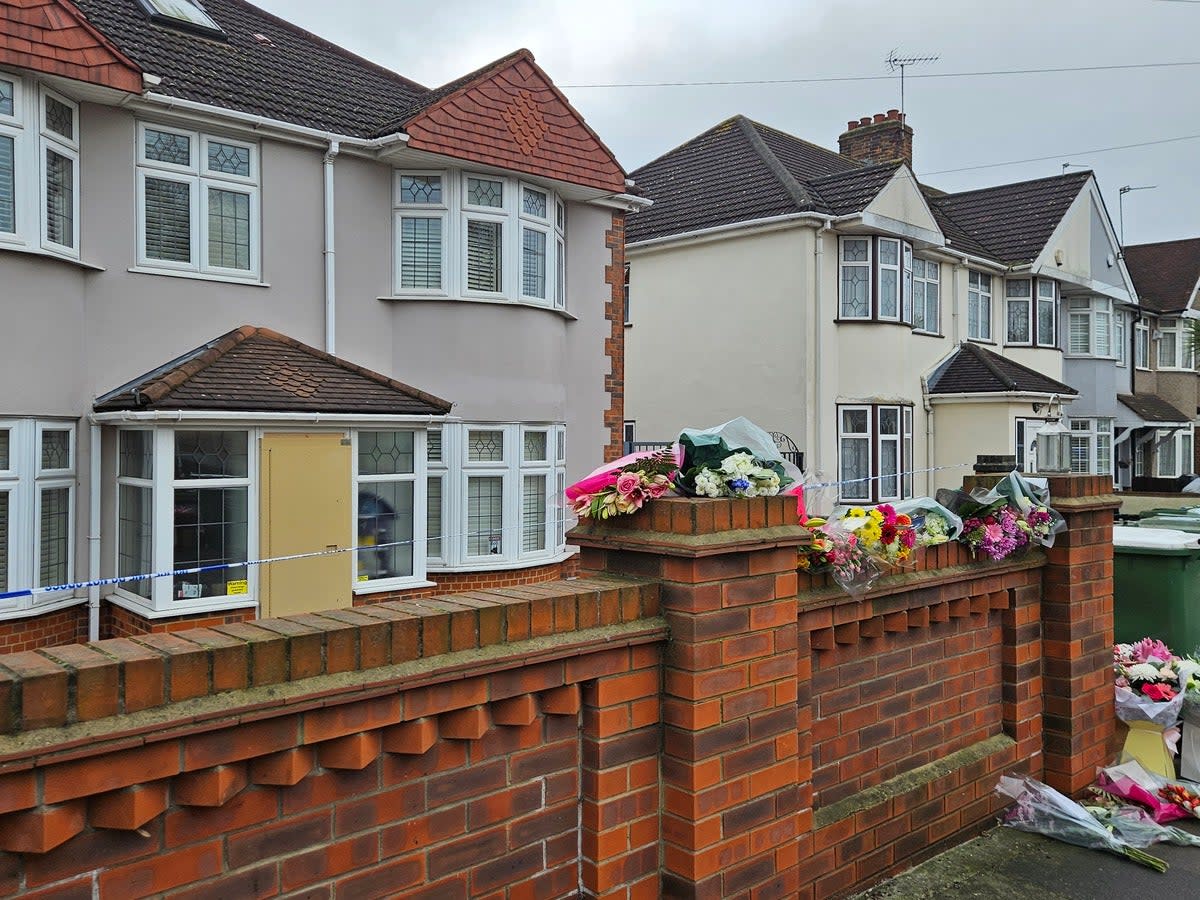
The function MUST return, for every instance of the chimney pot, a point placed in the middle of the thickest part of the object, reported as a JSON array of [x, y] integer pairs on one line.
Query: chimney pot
[[880, 117], [889, 140], [852, 124], [865, 120], [893, 114]]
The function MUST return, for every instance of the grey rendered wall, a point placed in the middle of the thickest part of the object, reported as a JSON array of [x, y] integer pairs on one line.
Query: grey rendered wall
[[1098, 382]]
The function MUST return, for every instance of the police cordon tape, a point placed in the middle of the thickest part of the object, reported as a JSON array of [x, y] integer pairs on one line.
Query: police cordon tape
[[224, 567]]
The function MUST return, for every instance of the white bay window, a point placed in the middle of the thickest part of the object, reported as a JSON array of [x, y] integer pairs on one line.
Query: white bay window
[[1091, 329], [37, 509], [198, 203], [487, 237], [39, 167], [926, 296], [875, 449]]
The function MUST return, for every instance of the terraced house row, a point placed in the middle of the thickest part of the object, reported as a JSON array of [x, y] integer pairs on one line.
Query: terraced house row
[[267, 298], [887, 327]]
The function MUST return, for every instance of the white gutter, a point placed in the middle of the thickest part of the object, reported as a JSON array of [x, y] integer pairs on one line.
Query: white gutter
[[959, 268], [154, 101], [999, 396], [798, 218], [94, 533], [330, 249], [199, 415], [627, 202]]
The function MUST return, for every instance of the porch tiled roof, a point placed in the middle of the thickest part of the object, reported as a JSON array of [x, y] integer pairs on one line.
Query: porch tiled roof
[[972, 369], [1152, 408], [254, 369], [1165, 274]]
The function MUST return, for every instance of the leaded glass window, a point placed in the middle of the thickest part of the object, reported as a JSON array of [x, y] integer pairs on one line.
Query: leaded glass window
[[8, 101], [856, 278], [229, 159], [228, 229], [135, 457], [533, 203], [54, 536], [211, 521], [1018, 299], [385, 452], [167, 147], [60, 118], [485, 192], [979, 306], [854, 452], [421, 189], [534, 446], [889, 279], [533, 513], [485, 446], [211, 454], [533, 263], [1047, 305], [56, 449]]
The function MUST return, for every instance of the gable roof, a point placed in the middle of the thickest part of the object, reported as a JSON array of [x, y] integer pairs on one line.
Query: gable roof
[[1012, 221], [847, 192], [1152, 408], [1165, 274], [253, 369], [293, 76], [54, 37], [972, 369]]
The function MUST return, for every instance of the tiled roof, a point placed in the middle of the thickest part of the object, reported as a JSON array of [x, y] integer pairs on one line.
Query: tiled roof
[[734, 172], [258, 370], [972, 369], [1165, 274], [293, 76], [1012, 221], [1152, 408], [848, 192]]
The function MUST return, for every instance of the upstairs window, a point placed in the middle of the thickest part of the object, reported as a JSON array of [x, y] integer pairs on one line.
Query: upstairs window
[[1174, 351], [1047, 313], [1018, 301], [926, 296], [979, 306], [1090, 327], [480, 236], [877, 280], [39, 167], [198, 203], [1141, 345]]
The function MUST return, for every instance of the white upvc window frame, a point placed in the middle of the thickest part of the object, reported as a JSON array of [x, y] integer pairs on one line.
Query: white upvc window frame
[[1141, 345], [898, 269], [420, 508], [12, 128], [1097, 315], [1120, 337], [867, 264], [560, 258], [540, 225], [1174, 331], [440, 211], [1180, 443], [922, 283], [24, 480], [456, 470], [856, 490], [979, 294], [67, 148], [437, 468], [1094, 436], [1017, 300], [142, 483], [1045, 304], [890, 438], [201, 179]]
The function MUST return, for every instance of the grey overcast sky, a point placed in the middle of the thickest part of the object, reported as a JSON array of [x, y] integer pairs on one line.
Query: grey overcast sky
[[958, 122]]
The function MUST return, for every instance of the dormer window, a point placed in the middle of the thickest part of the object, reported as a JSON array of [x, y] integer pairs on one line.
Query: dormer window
[[187, 13]]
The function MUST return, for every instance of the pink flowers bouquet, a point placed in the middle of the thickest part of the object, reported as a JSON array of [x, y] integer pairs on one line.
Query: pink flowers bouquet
[[623, 487], [839, 551], [1149, 677], [1002, 532]]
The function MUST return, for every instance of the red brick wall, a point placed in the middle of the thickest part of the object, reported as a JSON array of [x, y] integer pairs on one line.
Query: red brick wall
[[53, 37], [118, 622], [456, 582], [882, 139], [67, 626], [614, 344]]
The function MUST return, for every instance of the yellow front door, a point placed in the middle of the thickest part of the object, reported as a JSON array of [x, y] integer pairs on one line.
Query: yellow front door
[[306, 506]]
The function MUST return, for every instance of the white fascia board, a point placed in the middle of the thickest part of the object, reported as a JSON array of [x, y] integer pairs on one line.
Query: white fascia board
[[733, 229], [1003, 397], [894, 228], [1092, 286], [627, 202], [206, 113], [197, 416]]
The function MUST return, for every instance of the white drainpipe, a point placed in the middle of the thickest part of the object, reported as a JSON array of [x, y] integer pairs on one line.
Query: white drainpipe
[[94, 534], [813, 393], [330, 262], [929, 435]]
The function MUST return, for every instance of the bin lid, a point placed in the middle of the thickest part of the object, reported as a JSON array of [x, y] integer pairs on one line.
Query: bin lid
[[1157, 540], [1190, 524]]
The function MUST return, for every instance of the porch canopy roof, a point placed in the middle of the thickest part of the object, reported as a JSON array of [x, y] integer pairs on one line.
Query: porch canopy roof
[[257, 370], [974, 370], [1150, 411]]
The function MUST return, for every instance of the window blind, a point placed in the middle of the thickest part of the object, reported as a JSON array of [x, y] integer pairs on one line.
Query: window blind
[[420, 253], [484, 256], [60, 199], [168, 220], [8, 185]]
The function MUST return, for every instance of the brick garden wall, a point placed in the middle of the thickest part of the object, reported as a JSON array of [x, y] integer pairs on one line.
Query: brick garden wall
[[708, 723], [67, 626]]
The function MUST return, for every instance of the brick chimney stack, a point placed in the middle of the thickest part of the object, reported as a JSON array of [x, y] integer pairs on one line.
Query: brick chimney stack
[[884, 139]]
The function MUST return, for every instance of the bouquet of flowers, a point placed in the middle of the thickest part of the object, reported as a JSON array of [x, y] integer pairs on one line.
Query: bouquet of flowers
[[624, 487], [934, 530], [884, 534], [1008, 518], [841, 553], [712, 468], [1147, 672]]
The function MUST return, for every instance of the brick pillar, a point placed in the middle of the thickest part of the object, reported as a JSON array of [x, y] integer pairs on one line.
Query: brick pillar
[[730, 768], [1077, 632]]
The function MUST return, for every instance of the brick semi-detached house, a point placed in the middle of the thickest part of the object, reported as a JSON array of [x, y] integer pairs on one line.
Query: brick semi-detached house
[[264, 297]]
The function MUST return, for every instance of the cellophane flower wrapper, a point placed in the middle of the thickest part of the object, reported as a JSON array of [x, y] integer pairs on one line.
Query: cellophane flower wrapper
[[849, 564], [705, 450], [611, 483], [1129, 781], [925, 509], [1133, 707], [1040, 809], [1137, 828], [1023, 494], [1150, 683]]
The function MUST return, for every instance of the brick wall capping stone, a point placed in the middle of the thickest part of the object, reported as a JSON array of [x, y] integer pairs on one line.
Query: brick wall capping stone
[[1086, 504], [691, 545], [907, 582], [911, 780], [211, 713]]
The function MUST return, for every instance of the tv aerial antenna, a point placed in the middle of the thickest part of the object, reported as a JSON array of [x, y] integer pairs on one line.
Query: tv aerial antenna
[[895, 61]]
